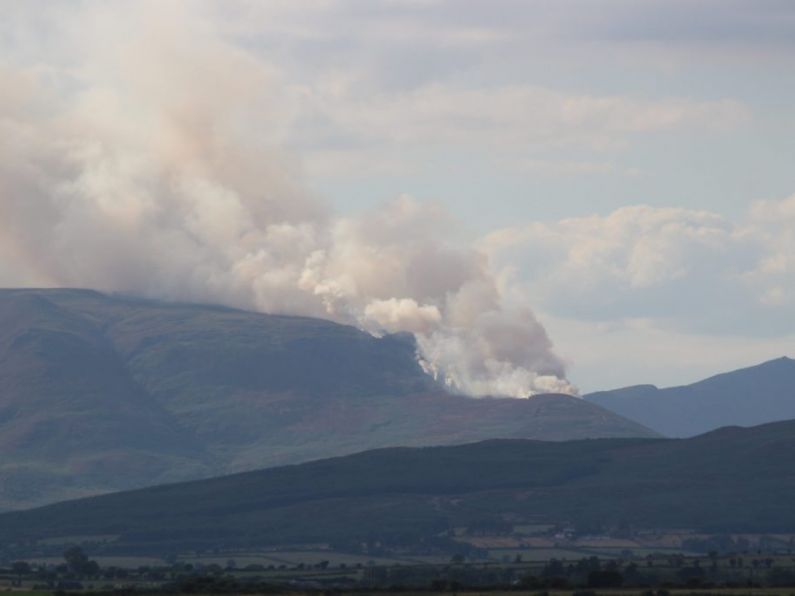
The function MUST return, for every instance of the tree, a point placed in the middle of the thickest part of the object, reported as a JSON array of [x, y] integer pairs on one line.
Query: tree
[[554, 568], [75, 558], [631, 572], [691, 575], [21, 568], [606, 578], [78, 563]]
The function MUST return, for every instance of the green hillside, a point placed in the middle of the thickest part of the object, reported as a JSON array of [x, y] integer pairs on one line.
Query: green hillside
[[733, 479], [101, 393]]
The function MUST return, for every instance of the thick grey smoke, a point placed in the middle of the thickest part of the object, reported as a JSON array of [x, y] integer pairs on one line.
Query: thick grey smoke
[[146, 158]]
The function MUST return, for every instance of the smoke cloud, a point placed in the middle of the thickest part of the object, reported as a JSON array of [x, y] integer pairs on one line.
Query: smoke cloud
[[143, 154]]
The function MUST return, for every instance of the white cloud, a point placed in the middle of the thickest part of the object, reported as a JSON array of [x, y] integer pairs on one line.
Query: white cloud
[[345, 128], [482, 119], [692, 269]]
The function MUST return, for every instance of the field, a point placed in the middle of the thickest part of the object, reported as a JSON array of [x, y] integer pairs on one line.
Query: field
[[294, 571]]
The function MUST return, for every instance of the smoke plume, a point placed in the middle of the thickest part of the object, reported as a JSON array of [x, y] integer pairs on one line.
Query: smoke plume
[[145, 157]]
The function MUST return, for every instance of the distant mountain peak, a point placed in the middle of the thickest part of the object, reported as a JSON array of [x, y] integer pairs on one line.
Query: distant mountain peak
[[744, 397], [783, 360]]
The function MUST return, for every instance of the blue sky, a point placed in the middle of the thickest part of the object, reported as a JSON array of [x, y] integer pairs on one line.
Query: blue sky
[[627, 166]]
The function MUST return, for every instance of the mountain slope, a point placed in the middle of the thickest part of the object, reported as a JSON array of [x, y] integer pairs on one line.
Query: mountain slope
[[734, 479], [749, 396], [102, 393]]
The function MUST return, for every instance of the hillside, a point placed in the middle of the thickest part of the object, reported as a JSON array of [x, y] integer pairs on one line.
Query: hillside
[[733, 479], [101, 393], [745, 397]]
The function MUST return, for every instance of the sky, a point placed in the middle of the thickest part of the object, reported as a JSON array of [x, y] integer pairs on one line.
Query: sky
[[624, 167]]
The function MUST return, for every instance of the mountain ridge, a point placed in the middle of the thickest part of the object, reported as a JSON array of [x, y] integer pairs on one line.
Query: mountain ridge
[[104, 393], [747, 396]]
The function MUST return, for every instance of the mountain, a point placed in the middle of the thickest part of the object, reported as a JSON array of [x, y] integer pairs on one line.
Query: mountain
[[732, 479], [746, 397], [101, 393]]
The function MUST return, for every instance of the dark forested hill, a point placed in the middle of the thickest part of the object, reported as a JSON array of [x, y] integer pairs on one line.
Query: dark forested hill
[[101, 393], [733, 479], [754, 395]]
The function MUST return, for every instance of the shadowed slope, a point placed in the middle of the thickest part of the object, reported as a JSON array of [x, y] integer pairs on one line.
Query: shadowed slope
[[733, 479], [104, 393]]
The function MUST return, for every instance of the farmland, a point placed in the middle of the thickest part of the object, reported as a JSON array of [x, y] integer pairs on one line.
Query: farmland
[[735, 573]]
